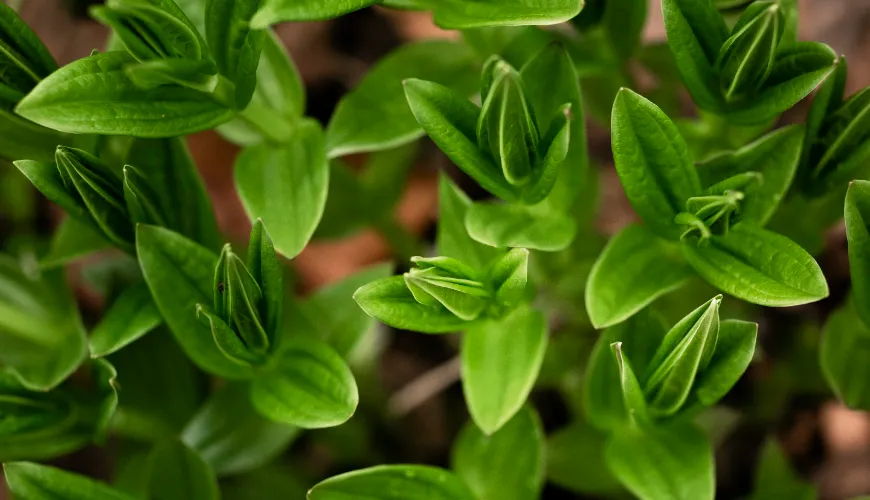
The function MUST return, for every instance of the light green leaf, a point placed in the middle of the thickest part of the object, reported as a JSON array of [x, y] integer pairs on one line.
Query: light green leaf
[[857, 213], [30, 481], [734, 351], [507, 465], [97, 87], [393, 482], [275, 11], [653, 162], [758, 266], [502, 225], [310, 386], [389, 301], [500, 363], [464, 14], [843, 354], [453, 240], [178, 473], [775, 156], [231, 436], [633, 270], [673, 462], [565, 446], [180, 275], [72, 240], [132, 315], [375, 114], [286, 187]]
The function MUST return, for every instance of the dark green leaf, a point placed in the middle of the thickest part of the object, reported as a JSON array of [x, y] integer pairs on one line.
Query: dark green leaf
[[623, 22], [132, 315], [775, 477], [310, 386], [286, 187], [393, 482], [563, 449], [180, 274], [29, 481], [375, 114], [389, 300], [178, 473], [734, 351], [537, 227], [235, 46], [22, 54], [758, 266], [635, 268], [845, 347], [857, 214], [500, 363], [653, 162], [72, 240], [97, 86]]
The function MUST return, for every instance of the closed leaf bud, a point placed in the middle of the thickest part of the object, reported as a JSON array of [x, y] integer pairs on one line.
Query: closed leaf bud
[[444, 281], [747, 57], [509, 276], [99, 189], [842, 146], [685, 352], [143, 204]]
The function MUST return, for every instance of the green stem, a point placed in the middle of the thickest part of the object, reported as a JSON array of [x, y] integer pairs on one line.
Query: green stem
[[403, 243]]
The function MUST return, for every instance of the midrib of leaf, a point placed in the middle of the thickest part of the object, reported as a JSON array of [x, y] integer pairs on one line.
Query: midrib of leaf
[[673, 203], [750, 283]]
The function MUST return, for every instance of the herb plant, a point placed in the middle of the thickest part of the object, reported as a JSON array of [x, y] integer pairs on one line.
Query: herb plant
[[204, 365]]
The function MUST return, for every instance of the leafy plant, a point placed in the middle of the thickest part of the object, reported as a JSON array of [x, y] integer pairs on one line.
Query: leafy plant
[[138, 319]]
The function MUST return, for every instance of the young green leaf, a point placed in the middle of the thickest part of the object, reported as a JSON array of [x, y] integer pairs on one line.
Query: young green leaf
[[375, 115], [775, 156], [451, 122], [563, 448], [653, 162], [179, 473], [673, 462], [393, 482], [24, 58], [275, 11], [390, 301], [857, 213], [758, 266], [537, 227], [633, 270], [286, 187], [500, 363], [696, 31], [180, 275], [231, 436], [98, 87], [452, 239], [464, 14], [623, 22], [633, 399], [310, 386], [845, 346], [734, 351], [235, 46], [775, 477], [30, 481], [507, 465], [72, 240], [132, 315]]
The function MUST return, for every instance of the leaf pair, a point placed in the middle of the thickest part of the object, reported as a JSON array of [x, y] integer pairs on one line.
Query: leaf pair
[[667, 191], [745, 73]]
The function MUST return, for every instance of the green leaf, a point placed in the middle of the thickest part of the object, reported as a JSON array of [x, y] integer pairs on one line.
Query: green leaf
[[844, 350], [375, 114], [197, 75], [97, 87], [775, 156], [502, 225], [40, 329], [25, 139], [286, 187], [696, 31], [178, 473], [640, 336], [132, 315], [563, 449], [798, 69], [464, 14], [500, 363], [775, 477], [633, 399], [653, 162], [180, 275], [857, 214], [507, 465], [734, 351], [388, 300], [450, 120], [623, 23], [235, 46], [30, 481], [633, 270], [72, 240], [275, 11], [231, 436], [672, 462], [22, 54], [310, 386], [453, 240], [758, 266], [393, 482]]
